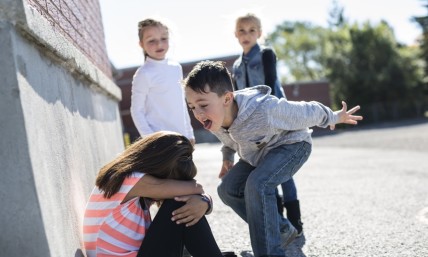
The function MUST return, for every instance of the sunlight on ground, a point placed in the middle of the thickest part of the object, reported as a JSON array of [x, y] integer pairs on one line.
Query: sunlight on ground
[[422, 216]]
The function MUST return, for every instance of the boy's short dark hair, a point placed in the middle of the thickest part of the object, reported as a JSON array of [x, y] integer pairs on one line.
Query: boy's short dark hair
[[213, 74]]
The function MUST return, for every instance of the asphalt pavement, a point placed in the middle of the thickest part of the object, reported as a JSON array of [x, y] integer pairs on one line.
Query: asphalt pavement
[[363, 192]]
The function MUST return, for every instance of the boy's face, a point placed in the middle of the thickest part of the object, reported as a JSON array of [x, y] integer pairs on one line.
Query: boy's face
[[155, 42], [247, 34], [210, 109]]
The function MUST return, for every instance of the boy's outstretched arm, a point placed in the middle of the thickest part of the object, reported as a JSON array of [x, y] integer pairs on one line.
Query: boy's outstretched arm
[[347, 117]]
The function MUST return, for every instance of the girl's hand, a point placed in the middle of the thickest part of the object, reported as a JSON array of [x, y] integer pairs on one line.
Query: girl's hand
[[227, 165], [189, 214], [346, 116]]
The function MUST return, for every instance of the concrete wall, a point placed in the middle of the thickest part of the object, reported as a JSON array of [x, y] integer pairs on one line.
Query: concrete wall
[[59, 123]]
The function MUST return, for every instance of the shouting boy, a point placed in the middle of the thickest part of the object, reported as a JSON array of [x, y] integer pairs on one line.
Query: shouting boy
[[272, 139]]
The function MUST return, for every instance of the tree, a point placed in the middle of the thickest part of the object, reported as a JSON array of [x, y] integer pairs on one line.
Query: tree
[[423, 41], [363, 63], [372, 70], [336, 16], [298, 46]]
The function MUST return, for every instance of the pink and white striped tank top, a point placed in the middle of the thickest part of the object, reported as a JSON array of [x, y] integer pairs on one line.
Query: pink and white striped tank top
[[114, 229]]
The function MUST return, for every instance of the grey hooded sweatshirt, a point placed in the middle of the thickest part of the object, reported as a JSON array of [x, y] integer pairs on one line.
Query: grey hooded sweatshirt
[[265, 122]]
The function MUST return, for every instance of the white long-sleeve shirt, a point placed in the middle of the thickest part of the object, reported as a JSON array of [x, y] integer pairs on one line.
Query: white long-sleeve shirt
[[157, 101]]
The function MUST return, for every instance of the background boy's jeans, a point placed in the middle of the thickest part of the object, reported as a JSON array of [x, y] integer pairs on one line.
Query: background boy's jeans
[[250, 192]]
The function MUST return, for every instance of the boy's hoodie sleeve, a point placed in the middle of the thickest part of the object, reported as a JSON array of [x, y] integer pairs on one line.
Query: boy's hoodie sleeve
[[228, 153], [290, 115]]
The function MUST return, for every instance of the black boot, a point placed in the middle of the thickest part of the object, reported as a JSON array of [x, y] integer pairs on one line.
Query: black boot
[[293, 215]]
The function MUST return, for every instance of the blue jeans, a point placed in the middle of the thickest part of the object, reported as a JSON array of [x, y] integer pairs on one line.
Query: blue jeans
[[250, 192]]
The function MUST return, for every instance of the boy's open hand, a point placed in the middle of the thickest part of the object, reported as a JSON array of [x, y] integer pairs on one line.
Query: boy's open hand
[[346, 116], [225, 167]]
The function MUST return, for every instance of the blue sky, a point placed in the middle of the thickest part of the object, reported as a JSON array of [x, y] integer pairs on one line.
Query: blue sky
[[204, 29]]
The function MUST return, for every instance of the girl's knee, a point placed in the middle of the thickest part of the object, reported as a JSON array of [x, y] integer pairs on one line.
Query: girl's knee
[[171, 204]]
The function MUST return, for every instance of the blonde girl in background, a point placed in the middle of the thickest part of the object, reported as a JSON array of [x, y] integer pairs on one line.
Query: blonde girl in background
[[157, 101]]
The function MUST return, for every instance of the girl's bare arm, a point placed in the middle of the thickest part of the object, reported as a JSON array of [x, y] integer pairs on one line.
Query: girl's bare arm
[[155, 188]]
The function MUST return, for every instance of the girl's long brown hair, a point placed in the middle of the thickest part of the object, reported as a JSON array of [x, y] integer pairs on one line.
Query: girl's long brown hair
[[163, 154]]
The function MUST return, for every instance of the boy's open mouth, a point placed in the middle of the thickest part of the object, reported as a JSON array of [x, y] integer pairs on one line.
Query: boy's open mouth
[[207, 124]]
